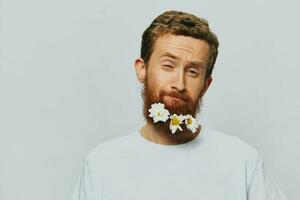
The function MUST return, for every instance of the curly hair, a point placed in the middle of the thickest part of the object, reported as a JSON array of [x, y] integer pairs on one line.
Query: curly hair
[[180, 23]]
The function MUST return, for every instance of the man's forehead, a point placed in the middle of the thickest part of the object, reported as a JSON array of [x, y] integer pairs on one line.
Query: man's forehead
[[174, 45]]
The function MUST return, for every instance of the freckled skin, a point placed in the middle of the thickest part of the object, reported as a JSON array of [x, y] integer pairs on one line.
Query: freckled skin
[[177, 64]]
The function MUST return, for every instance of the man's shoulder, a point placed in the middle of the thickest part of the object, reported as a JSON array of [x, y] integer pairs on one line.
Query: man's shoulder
[[109, 147], [229, 144], [225, 138]]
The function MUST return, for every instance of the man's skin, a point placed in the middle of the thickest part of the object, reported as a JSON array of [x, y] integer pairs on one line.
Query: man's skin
[[182, 72]]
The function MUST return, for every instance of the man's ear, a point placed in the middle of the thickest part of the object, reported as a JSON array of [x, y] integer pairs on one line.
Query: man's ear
[[206, 85], [140, 69]]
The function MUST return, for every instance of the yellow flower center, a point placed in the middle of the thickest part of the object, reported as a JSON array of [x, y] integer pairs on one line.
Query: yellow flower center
[[175, 121], [189, 121], [158, 113]]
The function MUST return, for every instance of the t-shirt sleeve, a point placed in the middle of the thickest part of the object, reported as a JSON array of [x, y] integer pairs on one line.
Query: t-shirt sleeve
[[261, 187], [84, 188]]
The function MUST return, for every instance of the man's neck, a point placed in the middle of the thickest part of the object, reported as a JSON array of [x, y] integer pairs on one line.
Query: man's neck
[[152, 134]]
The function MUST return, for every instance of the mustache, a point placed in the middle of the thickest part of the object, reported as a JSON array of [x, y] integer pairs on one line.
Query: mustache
[[176, 95]]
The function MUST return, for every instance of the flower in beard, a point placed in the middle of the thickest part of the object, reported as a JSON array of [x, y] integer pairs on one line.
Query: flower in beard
[[158, 112], [175, 122], [191, 123]]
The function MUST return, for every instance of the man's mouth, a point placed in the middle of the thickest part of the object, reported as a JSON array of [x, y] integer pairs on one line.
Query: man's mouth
[[175, 98]]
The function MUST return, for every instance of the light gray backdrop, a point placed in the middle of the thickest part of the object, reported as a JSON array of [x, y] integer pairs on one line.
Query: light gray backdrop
[[67, 83]]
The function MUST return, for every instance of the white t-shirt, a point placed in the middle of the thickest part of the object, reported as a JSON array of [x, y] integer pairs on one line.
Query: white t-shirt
[[213, 166]]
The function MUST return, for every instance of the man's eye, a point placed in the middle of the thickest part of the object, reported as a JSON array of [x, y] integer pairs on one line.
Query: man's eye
[[193, 72], [169, 66]]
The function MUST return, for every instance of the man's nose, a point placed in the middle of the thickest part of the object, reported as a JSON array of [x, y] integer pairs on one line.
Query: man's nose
[[179, 81]]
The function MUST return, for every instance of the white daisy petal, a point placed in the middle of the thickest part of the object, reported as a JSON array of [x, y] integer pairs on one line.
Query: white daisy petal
[[173, 130]]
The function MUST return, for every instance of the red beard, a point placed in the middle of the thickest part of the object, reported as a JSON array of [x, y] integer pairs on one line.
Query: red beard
[[183, 106]]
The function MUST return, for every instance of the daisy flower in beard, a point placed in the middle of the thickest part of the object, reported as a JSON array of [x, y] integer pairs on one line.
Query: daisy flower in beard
[[191, 123], [158, 112], [175, 122]]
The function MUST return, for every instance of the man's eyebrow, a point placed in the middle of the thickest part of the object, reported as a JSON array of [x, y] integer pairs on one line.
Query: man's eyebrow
[[192, 63], [197, 64], [168, 54]]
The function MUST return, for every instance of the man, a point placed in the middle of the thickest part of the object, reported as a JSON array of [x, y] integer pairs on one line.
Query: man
[[173, 156]]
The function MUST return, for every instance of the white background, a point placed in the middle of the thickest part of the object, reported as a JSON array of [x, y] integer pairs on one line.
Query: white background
[[67, 83]]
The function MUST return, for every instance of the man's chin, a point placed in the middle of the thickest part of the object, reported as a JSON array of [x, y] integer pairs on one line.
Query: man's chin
[[163, 127]]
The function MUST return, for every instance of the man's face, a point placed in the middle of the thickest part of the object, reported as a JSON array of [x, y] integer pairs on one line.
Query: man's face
[[175, 74]]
